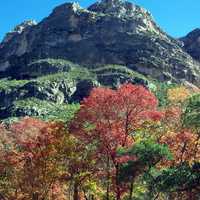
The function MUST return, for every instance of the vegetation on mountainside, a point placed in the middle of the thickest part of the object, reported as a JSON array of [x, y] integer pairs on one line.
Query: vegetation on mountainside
[[119, 144], [45, 110], [6, 85], [58, 86]]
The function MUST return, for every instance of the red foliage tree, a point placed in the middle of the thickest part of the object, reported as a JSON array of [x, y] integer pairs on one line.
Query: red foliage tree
[[108, 119], [181, 134], [31, 153]]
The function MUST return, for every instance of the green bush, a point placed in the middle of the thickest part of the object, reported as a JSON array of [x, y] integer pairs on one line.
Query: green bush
[[44, 109]]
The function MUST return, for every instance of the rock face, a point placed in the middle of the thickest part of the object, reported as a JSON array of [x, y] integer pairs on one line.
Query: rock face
[[108, 32], [191, 43], [44, 66], [18, 30]]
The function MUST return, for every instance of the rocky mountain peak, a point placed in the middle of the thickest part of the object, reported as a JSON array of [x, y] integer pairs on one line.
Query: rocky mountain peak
[[66, 8], [19, 29], [112, 32], [128, 11], [111, 3], [194, 33], [192, 43], [74, 49], [115, 7]]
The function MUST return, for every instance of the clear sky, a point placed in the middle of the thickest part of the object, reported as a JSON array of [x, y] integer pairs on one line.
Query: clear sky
[[176, 17]]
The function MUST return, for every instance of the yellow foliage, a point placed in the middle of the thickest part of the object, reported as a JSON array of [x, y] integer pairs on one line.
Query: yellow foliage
[[178, 94]]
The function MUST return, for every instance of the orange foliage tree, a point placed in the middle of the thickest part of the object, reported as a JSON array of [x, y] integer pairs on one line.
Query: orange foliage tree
[[180, 132], [31, 159], [108, 119]]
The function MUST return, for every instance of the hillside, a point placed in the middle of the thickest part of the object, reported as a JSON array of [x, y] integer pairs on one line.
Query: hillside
[[74, 49]]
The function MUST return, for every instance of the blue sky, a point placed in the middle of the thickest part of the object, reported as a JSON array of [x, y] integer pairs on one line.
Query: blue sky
[[176, 17]]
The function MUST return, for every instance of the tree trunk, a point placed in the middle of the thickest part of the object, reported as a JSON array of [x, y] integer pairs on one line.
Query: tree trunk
[[76, 192], [108, 180], [92, 197], [35, 196], [118, 197], [85, 195], [118, 192], [131, 191]]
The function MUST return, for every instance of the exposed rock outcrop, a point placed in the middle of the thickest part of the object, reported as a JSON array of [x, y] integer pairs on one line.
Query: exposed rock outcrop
[[191, 43], [74, 49], [108, 32]]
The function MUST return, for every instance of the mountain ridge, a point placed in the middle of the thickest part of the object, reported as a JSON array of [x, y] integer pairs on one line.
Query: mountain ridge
[[109, 43], [191, 43], [108, 32]]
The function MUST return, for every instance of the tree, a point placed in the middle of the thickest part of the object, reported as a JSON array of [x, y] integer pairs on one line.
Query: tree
[[181, 134], [32, 161], [179, 182], [81, 169], [178, 94], [147, 154], [108, 119]]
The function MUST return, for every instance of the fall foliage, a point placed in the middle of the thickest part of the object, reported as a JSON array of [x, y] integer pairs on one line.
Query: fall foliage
[[119, 145]]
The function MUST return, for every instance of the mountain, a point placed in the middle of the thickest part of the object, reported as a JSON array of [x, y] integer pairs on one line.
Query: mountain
[[74, 49], [192, 43]]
